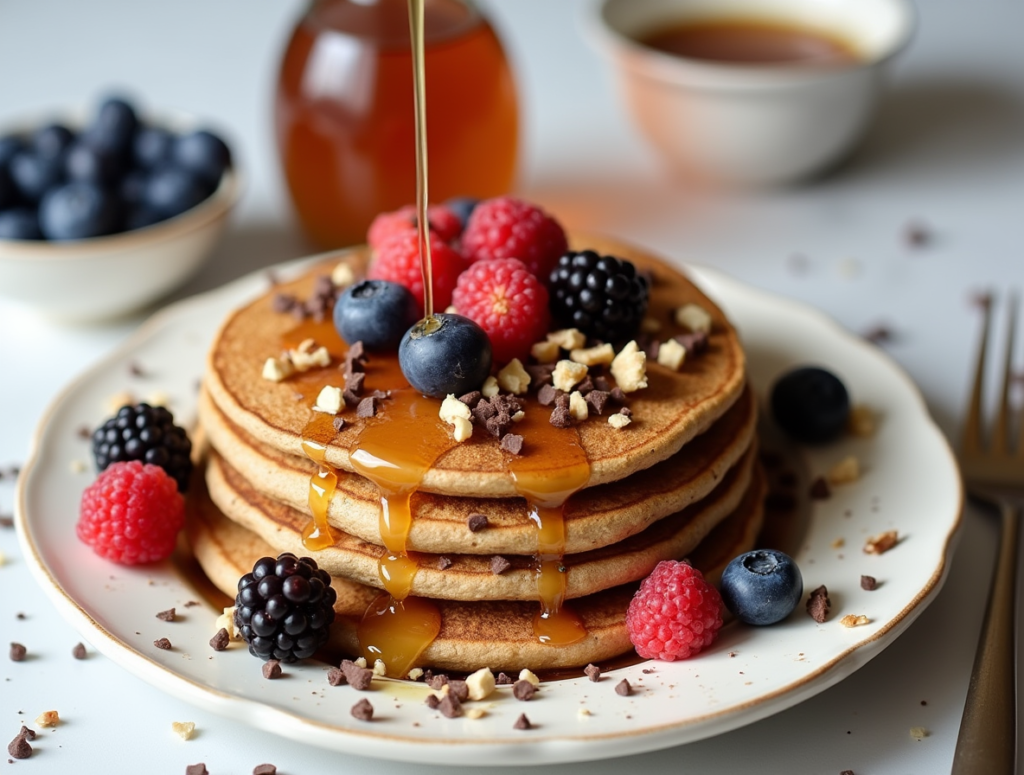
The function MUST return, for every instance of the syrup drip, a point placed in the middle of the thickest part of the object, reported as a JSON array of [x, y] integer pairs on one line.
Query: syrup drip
[[318, 433], [546, 488]]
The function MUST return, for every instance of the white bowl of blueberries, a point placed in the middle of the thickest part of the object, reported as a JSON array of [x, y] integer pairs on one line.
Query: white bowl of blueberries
[[102, 216]]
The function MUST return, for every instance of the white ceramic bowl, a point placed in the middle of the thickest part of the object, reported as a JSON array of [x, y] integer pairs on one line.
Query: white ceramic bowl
[[750, 124], [100, 278]]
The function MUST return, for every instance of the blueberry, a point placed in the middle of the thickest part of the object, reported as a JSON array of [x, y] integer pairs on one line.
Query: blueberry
[[463, 207], [810, 404], [51, 141], [375, 312], [9, 194], [202, 152], [87, 161], [114, 126], [132, 187], [152, 146], [19, 223], [141, 216], [762, 586], [78, 210], [445, 354], [171, 191], [34, 174], [9, 145]]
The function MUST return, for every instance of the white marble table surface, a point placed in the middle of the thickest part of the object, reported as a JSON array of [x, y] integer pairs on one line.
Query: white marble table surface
[[946, 150]]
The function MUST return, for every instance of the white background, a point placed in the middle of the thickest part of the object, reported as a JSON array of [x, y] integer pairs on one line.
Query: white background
[[946, 149]]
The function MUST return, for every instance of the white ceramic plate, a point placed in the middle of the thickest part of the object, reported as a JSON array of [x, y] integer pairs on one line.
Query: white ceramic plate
[[910, 483]]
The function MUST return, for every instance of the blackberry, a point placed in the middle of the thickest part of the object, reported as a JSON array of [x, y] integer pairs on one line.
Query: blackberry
[[148, 434], [285, 607], [603, 296]]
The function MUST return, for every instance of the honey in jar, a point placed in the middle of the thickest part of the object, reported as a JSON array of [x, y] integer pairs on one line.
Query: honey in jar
[[344, 112]]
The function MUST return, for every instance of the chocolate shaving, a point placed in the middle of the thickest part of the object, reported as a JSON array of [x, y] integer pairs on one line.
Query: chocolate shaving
[[695, 342], [367, 407], [272, 669], [196, 769], [355, 357], [483, 411], [522, 722], [220, 641], [499, 565], [547, 395], [264, 769], [499, 425], [354, 382], [362, 710], [477, 522], [818, 604], [338, 423], [869, 583], [336, 677], [593, 672], [444, 563], [560, 415], [596, 400], [167, 616], [163, 644], [820, 490], [523, 691], [512, 443], [78, 652], [18, 652], [472, 398], [358, 677], [623, 689], [450, 706]]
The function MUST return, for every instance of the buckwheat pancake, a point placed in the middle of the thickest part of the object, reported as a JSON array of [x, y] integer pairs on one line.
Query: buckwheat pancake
[[470, 577], [672, 410], [594, 517], [495, 634]]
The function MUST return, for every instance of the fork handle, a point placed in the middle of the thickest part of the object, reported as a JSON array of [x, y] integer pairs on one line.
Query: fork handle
[[988, 730]]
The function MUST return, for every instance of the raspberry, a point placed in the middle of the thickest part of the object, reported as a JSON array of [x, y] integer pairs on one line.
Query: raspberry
[[444, 222], [675, 613], [398, 260], [132, 513], [510, 228], [506, 301]]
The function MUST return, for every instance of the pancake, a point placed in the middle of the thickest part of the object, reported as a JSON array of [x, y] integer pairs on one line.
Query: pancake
[[469, 577], [594, 517], [671, 411], [495, 634]]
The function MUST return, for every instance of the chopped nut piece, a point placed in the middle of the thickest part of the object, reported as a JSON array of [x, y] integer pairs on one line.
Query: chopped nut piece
[[490, 387], [528, 675], [919, 733], [461, 429], [694, 318], [272, 669], [360, 662], [522, 722], [838, 543], [158, 398], [623, 688], [415, 674], [362, 710], [513, 378], [601, 355], [567, 374], [818, 604], [48, 718], [518, 416], [671, 355], [226, 621], [480, 684], [619, 421], [77, 467], [379, 668], [862, 421], [342, 275], [117, 400], [277, 369], [452, 408], [474, 713], [845, 471], [853, 620], [545, 352], [630, 368], [329, 400], [882, 542], [183, 729], [568, 338], [308, 356], [578, 409]]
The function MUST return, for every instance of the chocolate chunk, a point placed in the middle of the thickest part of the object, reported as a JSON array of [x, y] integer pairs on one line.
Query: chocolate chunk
[[499, 565], [869, 583], [504, 679], [432, 701], [444, 563], [695, 342], [18, 652], [560, 415], [916, 234], [220, 641], [6, 520], [585, 386], [512, 443], [28, 734], [617, 395], [623, 688], [499, 424], [162, 643], [471, 399], [506, 403], [450, 706], [338, 423], [547, 394], [19, 748], [167, 616], [593, 672], [84, 432], [879, 334], [818, 604], [625, 411], [272, 669], [362, 710], [483, 411], [649, 345], [336, 676], [20, 616], [358, 677], [459, 689], [367, 407], [436, 682], [523, 690], [540, 374], [477, 522], [78, 652], [192, 603], [847, 772], [820, 490], [354, 382], [596, 400], [601, 383], [284, 302], [196, 769], [264, 769], [522, 722]]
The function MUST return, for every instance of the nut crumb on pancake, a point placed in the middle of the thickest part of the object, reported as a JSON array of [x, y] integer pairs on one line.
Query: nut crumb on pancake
[[693, 317], [630, 368], [881, 543]]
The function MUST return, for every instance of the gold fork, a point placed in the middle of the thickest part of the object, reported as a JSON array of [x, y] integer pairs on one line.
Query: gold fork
[[993, 470]]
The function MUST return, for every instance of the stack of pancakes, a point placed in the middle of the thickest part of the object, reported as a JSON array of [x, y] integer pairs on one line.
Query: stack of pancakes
[[681, 480]]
